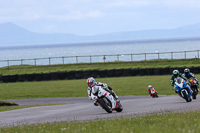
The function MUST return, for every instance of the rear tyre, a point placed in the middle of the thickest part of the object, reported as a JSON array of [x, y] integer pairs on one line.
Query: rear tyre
[[120, 108], [194, 93]]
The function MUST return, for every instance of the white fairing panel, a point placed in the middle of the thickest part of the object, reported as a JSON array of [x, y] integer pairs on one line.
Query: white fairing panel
[[95, 89], [180, 84], [102, 92]]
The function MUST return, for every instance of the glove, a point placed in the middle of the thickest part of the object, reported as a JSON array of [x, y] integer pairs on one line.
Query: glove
[[105, 85], [174, 87], [90, 97], [95, 98], [109, 88]]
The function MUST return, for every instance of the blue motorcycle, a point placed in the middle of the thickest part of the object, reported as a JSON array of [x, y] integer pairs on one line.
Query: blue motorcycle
[[183, 89]]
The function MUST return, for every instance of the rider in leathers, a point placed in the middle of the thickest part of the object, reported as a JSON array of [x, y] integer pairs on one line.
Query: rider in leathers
[[175, 75], [187, 74], [91, 83]]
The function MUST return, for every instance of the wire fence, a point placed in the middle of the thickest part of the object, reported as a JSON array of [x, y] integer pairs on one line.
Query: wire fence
[[101, 58]]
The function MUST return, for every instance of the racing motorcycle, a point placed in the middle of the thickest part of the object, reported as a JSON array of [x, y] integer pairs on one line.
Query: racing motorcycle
[[154, 93], [181, 89], [106, 100], [194, 86]]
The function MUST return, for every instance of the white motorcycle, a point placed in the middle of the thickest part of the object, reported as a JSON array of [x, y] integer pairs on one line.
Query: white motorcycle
[[105, 99]]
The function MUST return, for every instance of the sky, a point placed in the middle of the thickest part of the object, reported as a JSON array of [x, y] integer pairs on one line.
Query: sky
[[93, 17]]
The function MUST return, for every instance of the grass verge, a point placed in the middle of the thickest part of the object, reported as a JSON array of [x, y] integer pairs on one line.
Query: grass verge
[[123, 86], [160, 123], [27, 69]]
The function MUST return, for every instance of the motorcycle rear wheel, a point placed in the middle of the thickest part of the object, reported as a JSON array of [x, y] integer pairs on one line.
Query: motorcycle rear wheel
[[194, 93], [120, 108]]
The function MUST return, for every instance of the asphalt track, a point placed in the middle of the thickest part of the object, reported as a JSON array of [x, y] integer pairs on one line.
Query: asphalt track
[[82, 109]]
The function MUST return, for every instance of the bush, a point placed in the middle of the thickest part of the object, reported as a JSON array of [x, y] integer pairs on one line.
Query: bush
[[4, 103]]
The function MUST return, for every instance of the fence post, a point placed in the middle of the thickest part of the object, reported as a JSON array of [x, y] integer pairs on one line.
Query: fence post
[[185, 54], [8, 64], [104, 58], [90, 59], [63, 59], [35, 61], [49, 61], [21, 62], [117, 57], [158, 56], [76, 59], [172, 55], [131, 57]]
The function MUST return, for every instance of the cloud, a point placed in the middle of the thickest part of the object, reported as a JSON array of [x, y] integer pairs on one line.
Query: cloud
[[75, 15], [35, 10], [101, 14], [83, 9]]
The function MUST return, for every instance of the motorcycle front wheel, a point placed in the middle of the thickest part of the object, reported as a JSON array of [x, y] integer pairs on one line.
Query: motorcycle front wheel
[[106, 104]]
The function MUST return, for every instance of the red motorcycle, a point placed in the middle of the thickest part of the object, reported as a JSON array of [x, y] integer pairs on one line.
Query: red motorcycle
[[153, 93], [194, 86]]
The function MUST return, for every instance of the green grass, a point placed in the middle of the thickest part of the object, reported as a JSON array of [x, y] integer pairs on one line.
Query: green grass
[[27, 69], [123, 86], [6, 108], [160, 123]]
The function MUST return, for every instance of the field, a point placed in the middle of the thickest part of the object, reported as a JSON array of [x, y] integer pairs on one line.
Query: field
[[123, 86], [160, 123]]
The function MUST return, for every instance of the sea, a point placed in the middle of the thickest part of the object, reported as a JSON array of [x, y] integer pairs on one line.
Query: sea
[[97, 52]]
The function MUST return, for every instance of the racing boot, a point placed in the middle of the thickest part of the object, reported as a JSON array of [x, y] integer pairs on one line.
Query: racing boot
[[115, 96], [95, 103]]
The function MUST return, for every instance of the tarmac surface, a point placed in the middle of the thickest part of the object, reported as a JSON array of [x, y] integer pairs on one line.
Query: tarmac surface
[[82, 109]]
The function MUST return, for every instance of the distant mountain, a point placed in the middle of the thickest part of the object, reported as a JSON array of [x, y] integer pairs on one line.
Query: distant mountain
[[13, 35]]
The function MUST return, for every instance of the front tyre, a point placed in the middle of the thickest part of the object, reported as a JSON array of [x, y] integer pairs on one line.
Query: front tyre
[[106, 104], [184, 94]]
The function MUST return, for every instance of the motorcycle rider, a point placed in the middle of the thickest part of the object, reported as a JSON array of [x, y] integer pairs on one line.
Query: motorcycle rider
[[91, 83], [175, 75], [149, 89], [187, 74]]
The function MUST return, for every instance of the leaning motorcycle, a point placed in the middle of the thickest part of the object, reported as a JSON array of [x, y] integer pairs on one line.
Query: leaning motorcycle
[[106, 100], [154, 93], [181, 89], [194, 86]]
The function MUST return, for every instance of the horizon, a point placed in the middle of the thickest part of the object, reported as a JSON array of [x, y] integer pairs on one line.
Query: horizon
[[89, 17]]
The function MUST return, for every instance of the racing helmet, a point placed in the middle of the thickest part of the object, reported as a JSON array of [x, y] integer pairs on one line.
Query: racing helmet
[[149, 86], [91, 82], [175, 73], [186, 71]]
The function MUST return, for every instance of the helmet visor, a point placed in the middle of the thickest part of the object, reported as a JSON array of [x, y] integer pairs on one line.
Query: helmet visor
[[90, 84]]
